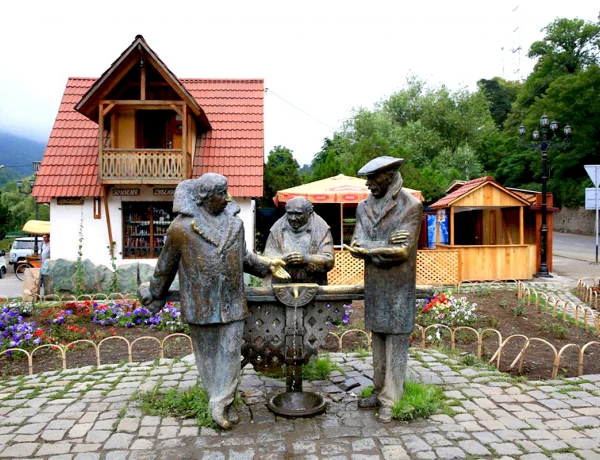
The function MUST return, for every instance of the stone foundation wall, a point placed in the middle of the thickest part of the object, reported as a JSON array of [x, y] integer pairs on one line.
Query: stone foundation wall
[[575, 220]]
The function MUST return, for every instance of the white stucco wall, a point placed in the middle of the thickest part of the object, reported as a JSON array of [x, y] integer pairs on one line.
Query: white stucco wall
[[65, 221]]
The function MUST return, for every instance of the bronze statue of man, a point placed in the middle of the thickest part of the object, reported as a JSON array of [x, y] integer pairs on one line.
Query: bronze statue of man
[[205, 244], [386, 236], [303, 240]]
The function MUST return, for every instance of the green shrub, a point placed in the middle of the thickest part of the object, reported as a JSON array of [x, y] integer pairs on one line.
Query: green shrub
[[191, 403], [317, 368], [419, 400]]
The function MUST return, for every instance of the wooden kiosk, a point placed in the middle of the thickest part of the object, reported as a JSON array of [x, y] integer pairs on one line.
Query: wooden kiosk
[[493, 228]]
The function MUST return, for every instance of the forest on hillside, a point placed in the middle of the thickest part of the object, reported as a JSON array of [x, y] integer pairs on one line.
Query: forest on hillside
[[17, 155], [447, 135]]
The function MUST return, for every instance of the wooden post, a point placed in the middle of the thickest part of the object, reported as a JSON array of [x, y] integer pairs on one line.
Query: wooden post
[[187, 168], [143, 83], [108, 225], [341, 226], [452, 226], [437, 227], [100, 139], [521, 225]]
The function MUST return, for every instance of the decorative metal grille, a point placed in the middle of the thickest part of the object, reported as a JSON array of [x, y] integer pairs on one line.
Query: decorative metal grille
[[266, 332]]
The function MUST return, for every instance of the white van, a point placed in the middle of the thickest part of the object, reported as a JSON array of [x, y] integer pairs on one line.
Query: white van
[[2, 264], [21, 248]]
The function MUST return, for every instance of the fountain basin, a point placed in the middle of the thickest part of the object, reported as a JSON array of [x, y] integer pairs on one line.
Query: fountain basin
[[297, 404]]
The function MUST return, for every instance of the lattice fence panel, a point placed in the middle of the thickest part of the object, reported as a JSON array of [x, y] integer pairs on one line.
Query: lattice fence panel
[[433, 268], [347, 270], [437, 267]]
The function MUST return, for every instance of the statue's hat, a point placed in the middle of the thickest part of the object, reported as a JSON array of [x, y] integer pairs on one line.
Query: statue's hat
[[380, 164]]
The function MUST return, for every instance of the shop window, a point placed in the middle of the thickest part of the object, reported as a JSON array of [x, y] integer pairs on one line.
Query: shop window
[[145, 228]]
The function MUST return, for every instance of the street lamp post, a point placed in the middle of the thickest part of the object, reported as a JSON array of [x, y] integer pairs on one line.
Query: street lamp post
[[545, 143], [36, 168]]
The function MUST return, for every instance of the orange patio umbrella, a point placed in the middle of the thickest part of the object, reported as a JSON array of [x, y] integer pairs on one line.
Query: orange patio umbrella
[[338, 189]]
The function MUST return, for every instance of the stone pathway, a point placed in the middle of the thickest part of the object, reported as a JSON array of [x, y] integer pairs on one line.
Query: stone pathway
[[91, 413], [88, 413]]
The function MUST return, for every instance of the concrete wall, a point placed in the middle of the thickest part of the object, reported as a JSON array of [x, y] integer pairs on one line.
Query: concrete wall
[[65, 221], [575, 220]]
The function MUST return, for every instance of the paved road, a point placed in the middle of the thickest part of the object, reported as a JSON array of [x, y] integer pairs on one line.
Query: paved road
[[581, 247], [10, 285], [574, 256]]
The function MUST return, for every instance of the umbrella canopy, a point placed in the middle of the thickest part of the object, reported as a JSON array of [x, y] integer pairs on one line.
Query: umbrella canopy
[[37, 227], [337, 189]]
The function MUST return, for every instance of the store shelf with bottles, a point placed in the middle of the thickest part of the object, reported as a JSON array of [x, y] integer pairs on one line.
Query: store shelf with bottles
[[145, 227]]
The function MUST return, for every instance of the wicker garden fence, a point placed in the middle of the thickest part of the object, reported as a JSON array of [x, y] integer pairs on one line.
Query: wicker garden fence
[[584, 317]]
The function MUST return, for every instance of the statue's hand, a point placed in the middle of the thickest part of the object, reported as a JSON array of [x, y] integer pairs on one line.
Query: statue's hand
[[146, 298], [144, 294], [357, 251], [294, 258], [276, 267], [399, 237]]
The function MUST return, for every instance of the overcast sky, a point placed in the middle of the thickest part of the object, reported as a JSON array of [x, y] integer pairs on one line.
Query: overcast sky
[[319, 59]]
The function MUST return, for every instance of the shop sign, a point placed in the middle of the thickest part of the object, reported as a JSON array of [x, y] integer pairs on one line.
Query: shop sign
[[164, 191], [69, 200], [321, 197], [126, 192]]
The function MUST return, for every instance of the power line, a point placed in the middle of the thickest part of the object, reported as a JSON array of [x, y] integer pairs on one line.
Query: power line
[[267, 91]]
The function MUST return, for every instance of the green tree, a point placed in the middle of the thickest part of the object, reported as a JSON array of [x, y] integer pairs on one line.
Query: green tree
[[564, 84], [281, 171], [500, 97], [5, 219], [419, 123], [569, 46]]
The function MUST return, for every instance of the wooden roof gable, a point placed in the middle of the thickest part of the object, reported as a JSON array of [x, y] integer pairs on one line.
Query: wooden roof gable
[[139, 49], [482, 192]]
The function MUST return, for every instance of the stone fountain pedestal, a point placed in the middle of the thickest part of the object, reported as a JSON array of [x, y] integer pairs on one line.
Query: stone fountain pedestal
[[287, 325]]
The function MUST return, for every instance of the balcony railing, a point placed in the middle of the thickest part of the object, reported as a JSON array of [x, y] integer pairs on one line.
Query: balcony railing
[[156, 165]]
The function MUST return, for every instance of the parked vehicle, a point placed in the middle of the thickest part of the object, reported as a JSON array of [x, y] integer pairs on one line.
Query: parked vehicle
[[22, 248], [2, 264]]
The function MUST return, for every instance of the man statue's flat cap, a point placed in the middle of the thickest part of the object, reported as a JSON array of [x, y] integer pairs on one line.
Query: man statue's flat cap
[[380, 164]]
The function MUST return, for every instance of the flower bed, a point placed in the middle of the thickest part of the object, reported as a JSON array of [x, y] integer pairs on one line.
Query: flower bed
[[26, 327], [447, 310]]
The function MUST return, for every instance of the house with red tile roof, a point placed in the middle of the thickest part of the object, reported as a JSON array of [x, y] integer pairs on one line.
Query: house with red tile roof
[[496, 230], [122, 142]]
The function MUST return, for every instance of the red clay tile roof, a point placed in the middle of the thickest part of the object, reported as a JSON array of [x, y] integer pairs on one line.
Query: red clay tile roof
[[466, 188], [233, 148]]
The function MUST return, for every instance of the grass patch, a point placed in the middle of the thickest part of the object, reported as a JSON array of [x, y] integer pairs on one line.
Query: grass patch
[[419, 400], [318, 368], [191, 403], [366, 392], [361, 353]]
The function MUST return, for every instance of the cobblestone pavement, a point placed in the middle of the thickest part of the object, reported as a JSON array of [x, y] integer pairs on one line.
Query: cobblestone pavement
[[91, 413]]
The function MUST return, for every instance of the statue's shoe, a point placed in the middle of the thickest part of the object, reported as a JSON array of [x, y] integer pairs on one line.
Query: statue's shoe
[[369, 401], [232, 414], [218, 415], [385, 414]]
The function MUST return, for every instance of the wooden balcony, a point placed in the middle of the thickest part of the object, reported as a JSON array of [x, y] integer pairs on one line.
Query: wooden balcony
[[143, 166]]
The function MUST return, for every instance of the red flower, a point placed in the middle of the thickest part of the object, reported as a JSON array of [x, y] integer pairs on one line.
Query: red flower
[[38, 333]]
